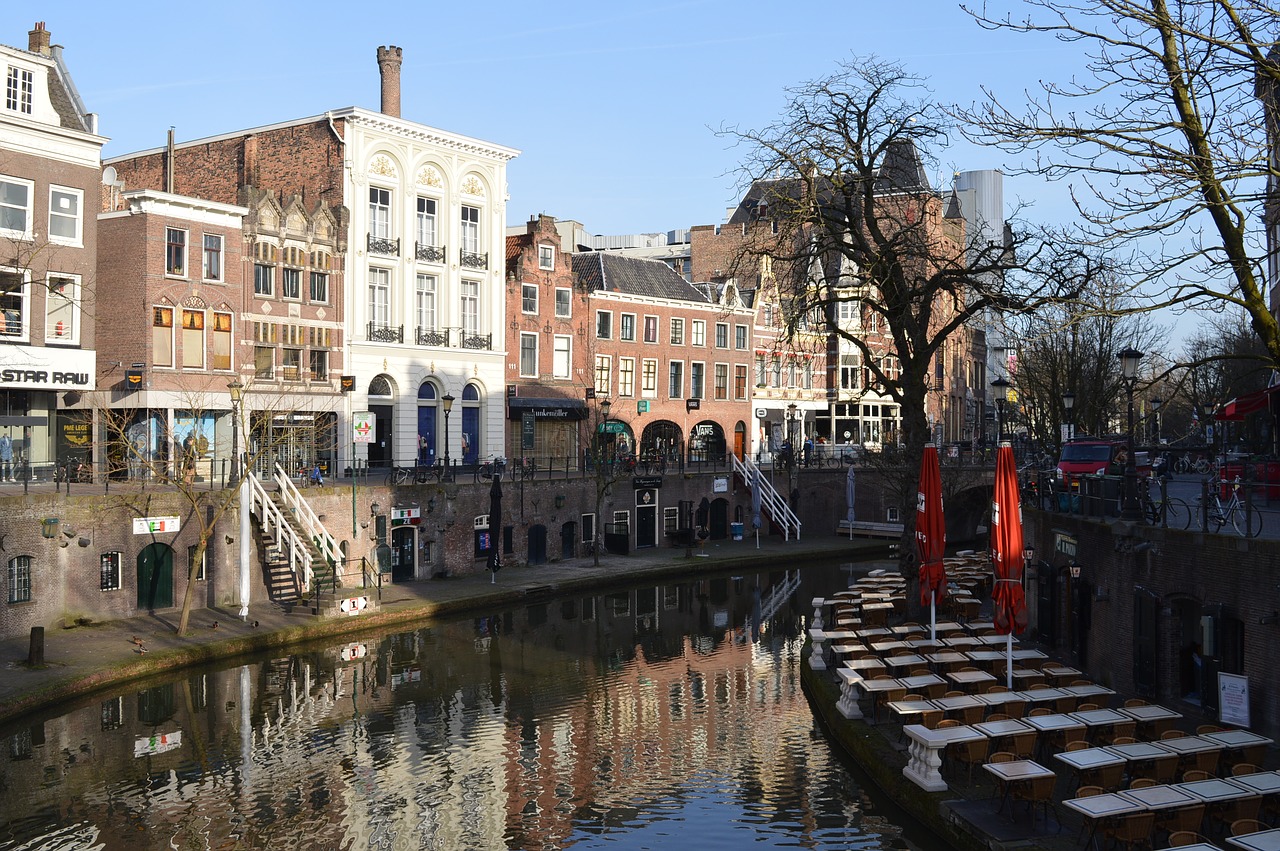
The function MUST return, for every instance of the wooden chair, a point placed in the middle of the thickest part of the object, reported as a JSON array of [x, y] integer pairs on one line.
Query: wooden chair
[[1014, 708], [972, 714], [1208, 728], [1023, 745], [1077, 745], [1135, 701], [947, 722], [971, 753], [996, 688], [1141, 783], [954, 693], [1131, 830], [1173, 734], [1038, 790], [1040, 711], [997, 716], [1086, 707], [1081, 683], [1162, 770], [914, 696], [1124, 740], [1109, 777], [1233, 812], [1179, 838], [1066, 704], [1121, 730], [1244, 768], [1001, 756], [1206, 761], [1184, 819], [1194, 774], [1089, 791], [931, 718], [1246, 825]]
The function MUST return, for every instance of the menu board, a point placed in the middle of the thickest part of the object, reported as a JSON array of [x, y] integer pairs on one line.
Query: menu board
[[1233, 699]]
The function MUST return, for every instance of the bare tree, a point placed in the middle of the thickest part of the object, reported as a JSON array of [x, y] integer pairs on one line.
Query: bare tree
[[840, 213], [1164, 137]]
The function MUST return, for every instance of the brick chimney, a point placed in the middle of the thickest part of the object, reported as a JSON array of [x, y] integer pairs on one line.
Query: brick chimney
[[389, 59], [38, 40]]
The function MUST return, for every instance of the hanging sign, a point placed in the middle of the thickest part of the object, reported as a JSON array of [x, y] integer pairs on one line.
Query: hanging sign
[[156, 525], [362, 427]]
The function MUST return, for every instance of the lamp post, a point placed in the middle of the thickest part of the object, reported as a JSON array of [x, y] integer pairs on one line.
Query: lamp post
[[1156, 402], [1001, 388], [1069, 405], [1129, 375], [793, 414], [237, 393], [603, 436], [447, 401]]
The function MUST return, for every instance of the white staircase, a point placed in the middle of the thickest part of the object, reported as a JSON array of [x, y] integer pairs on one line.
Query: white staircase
[[290, 498], [771, 502], [779, 595], [286, 548]]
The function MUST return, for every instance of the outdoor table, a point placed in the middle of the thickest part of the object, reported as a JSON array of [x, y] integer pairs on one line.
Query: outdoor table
[[1138, 751], [1041, 695], [906, 708], [1215, 791], [1148, 714], [873, 632], [922, 681], [988, 658], [1096, 719], [945, 659], [1200, 846], [999, 729], [1028, 653], [1090, 690], [992, 640], [1000, 698], [1019, 770], [1237, 739], [1087, 759], [968, 606], [897, 663], [1095, 808], [888, 644], [1188, 745], [847, 622], [908, 629], [970, 678], [978, 626], [1047, 723], [1024, 678], [925, 643], [846, 649], [955, 704], [1060, 672], [875, 689], [962, 641], [924, 760], [870, 667], [1262, 782], [1161, 797], [1263, 840]]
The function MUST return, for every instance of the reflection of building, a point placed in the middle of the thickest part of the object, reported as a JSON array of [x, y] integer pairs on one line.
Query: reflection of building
[[422, 318], [49, 171]]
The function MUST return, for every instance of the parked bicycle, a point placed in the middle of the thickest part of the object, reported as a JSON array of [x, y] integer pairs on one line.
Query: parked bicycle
[[1247, 523], [1198, 464], [73, 470], [488, 468], [523, 468], [1170, 511], [419, 474]]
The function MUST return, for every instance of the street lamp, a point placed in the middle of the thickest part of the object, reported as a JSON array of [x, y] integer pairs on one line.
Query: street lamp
[[237, 393], [1156, 402], [1069, 405], [1001, 387], [603, 436], [447, 400], [1129, 375]]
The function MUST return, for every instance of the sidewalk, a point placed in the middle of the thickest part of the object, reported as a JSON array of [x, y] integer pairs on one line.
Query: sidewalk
[[84, 659]]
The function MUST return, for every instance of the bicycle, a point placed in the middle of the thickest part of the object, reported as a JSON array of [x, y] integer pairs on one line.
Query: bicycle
[[1171, 512], [1187, 464], [488, 468], [524, 468], [1248, 524], [419, 474], [73, 471]]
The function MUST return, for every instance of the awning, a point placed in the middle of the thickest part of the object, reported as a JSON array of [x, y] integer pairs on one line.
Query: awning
[[1241, 406], [546, 408]]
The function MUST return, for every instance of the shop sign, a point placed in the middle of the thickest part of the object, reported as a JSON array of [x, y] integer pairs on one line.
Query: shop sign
[[362, 427], [157, 744], [640, 482], [720, 484], [405, 517], [692, 405], [528, 432], [704, 429], [156, 525], [41, 368]]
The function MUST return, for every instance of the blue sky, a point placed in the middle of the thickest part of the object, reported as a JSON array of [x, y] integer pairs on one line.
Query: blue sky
[[613, 105]]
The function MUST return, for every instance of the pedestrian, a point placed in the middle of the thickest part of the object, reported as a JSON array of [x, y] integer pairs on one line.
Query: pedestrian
[[189, 459], [808, 450], [317, 477], [6, 457]]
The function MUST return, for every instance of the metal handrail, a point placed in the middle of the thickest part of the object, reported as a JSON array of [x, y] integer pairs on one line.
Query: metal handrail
[[770, 499], [306, 515], [276, 526]]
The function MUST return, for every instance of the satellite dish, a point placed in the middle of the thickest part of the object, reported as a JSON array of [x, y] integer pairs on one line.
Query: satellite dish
[[109, 176]]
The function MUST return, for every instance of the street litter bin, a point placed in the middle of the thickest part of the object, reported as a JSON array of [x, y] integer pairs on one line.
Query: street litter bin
[[735, 529]]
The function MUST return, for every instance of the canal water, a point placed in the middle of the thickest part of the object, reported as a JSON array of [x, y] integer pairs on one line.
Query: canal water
[[666, 716]]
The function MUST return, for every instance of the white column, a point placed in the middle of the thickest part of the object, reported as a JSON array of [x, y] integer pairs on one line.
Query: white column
[[816, 660], [245, 577], [847, 705], [924, 762]]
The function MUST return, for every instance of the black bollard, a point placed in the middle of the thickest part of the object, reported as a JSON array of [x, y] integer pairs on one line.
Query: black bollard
[[35, 655]]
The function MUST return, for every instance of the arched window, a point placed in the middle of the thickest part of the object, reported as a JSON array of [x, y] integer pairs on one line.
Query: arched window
[[428, 418], [380, 386], [470, 424]]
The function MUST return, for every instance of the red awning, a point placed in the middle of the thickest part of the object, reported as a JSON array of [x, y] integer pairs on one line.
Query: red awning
[[1241, 406]]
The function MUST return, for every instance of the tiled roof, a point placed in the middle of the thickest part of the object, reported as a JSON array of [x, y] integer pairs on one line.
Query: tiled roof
[[601, 270], [515, 243]]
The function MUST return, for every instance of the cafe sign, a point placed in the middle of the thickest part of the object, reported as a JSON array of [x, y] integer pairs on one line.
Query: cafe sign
[[156, 525]]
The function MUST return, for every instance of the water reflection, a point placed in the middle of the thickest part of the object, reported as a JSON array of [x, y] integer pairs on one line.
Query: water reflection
[[624, 719]]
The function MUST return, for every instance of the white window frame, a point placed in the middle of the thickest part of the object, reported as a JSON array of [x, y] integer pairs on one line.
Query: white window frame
[[312, 277], [675, 383], [528, 294], [218, 255], [186, 251], [214, 336], [19, 92], [697, 379], [69, 300], [25, 232], [264, 287], [428, 223], [469, 306], [719, 370], [649, 378], [528, 370], [288, 371], [76, 219], [698, 333], [172, 346], [270, 370], [379, 297], [425, 301], [743, 388], [722, 333], [469, 228], [190, 333], [650, 332], [564, 299], [604, 375], [741, 337], [380, 212], [677, 331], [626, 377], [562, 356], [547, 257], [608, 330], [22, 298], [287, 272], [625, 335]]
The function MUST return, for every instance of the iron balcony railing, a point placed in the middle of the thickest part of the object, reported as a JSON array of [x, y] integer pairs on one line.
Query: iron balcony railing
[[385, 333], [381, 245], [476, 341], [430, 253], [471, 260], [431, 337]]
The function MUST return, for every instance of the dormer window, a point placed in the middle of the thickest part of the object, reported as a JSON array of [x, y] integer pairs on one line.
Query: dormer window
[[18, 90], [546, 257]]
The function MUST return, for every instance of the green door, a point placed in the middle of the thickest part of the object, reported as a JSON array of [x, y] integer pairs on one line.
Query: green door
[[155, 577]]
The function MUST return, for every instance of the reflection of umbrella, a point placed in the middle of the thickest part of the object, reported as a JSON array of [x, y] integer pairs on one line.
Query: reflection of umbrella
[[931, 535], [756, 520], [849, 481], [1010, 609], [495, 524]]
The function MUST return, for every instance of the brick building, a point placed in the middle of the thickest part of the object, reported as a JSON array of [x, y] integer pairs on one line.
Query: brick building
[[50, 160]]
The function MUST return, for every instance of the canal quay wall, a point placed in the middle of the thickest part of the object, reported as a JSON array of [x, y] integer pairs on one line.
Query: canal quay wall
[[1129, 604]]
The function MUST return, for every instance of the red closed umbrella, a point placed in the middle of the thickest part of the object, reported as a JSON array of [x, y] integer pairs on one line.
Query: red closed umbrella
[[1007, 601], [931, 535]]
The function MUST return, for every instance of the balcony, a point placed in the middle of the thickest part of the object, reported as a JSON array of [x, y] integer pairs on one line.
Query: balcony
[[385, 333], [430, 253], [385, 247], [471, 260], [431, 337], [476, 341]]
